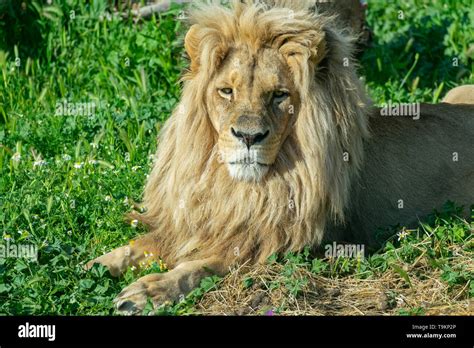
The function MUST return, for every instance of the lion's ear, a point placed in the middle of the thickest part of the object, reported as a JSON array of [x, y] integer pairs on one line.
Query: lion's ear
[[205, 47], [319, 48], [191, 44], [307, 47]]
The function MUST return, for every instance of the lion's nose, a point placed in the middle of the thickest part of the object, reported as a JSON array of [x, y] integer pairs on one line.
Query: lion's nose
[[249, 139]]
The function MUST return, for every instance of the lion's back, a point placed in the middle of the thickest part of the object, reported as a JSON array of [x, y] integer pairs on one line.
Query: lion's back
[[460, 95], [413, 166]]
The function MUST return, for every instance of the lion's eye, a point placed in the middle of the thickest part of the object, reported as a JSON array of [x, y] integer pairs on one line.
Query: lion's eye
[[225, 92], [280, 95]]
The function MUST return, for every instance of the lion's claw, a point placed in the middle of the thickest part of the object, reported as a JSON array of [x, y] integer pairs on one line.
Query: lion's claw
[[126, 307]]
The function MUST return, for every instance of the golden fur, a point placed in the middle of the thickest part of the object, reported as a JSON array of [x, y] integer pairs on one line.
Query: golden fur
[[307, 179]]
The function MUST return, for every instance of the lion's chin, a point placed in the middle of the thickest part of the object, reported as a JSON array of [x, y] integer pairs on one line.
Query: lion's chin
[[247, 171]]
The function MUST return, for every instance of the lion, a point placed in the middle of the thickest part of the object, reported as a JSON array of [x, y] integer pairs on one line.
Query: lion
[[460, 95], [275, 146]]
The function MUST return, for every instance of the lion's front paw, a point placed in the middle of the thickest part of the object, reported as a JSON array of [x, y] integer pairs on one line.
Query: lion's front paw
[[116, 261], [115, 266], [159, 288]]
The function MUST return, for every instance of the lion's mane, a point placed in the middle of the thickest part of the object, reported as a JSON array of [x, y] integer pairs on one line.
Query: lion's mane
[[193, 207]]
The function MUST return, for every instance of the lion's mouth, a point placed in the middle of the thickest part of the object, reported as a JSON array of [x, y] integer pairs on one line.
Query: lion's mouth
[[247, 170], [248, 163]]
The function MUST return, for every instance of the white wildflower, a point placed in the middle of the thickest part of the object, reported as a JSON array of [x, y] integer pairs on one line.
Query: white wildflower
[[134, 223], [39, 163], [402, 235], [78, 165], [16, 157]]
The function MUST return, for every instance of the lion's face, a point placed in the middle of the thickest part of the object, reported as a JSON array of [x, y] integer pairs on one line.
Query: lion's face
[[251, 103]]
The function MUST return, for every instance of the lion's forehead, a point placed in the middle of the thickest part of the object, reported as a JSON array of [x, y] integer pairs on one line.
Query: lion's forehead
[[263, 69]]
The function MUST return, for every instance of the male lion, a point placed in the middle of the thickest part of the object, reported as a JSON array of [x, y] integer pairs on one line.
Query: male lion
[[271, 148]]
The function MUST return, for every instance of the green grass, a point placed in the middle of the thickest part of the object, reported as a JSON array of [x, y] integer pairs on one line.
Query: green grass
[[67, 181]]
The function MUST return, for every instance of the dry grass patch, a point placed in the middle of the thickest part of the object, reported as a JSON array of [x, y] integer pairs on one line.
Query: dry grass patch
[[419, 288]]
